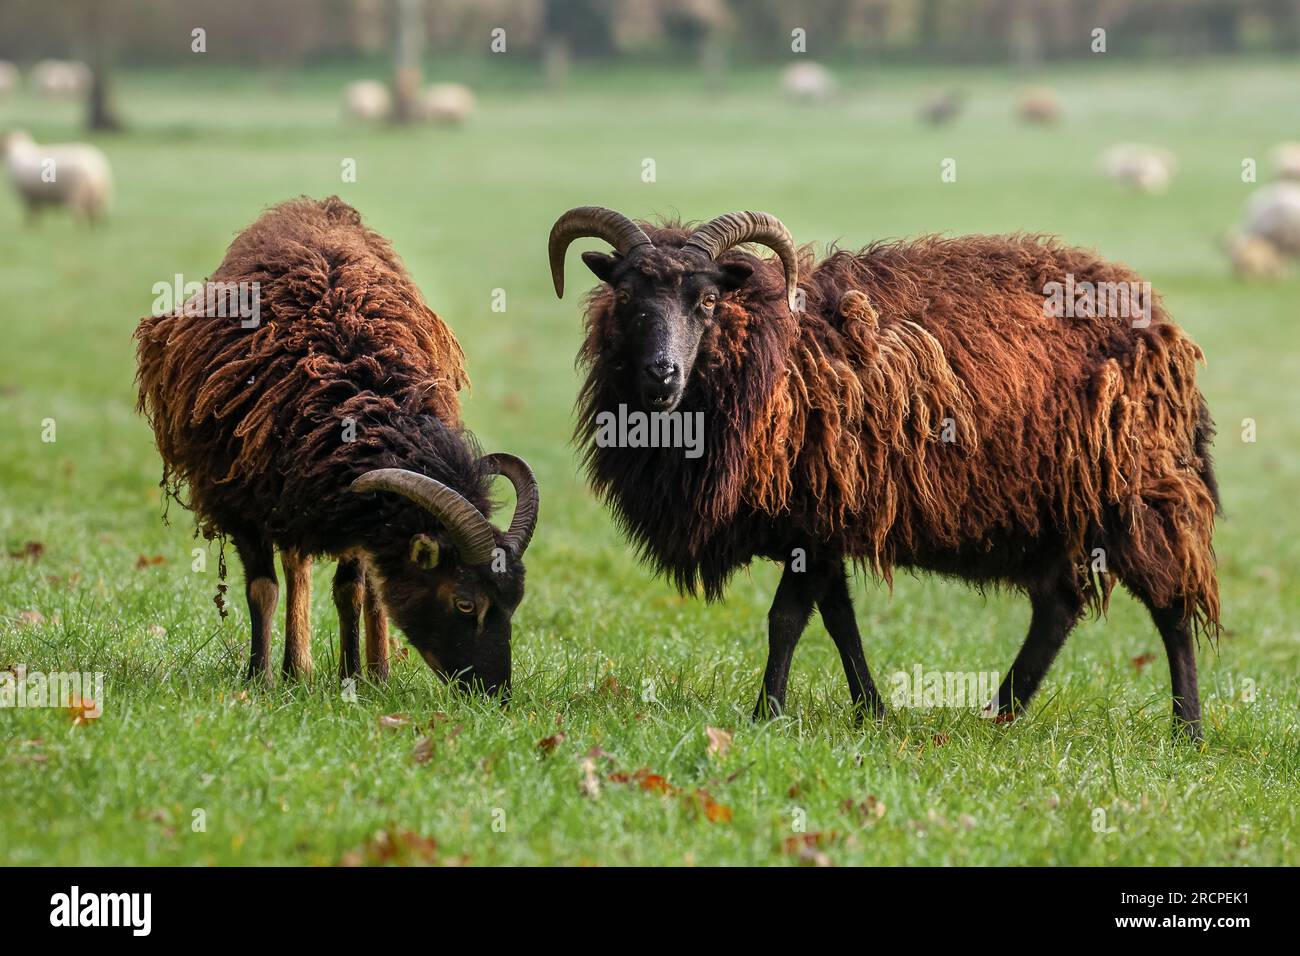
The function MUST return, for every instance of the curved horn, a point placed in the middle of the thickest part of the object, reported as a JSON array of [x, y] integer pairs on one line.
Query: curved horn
[[718, 235], [469, 531], [614, 227], [525, 482]]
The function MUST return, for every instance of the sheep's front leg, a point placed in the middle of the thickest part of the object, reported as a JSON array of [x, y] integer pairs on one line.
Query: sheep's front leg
[[836, 605], [262, 591], [376, 634], [349, 597], [786, 620], [297, 619]]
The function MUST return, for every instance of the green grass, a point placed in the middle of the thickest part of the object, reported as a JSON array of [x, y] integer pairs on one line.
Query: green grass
[[301, 775]]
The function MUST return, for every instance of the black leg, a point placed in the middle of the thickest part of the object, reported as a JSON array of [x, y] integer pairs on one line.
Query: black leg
[[1182, 671], [262, 591], [836, 606], [1056, 609], [786, 621], [349, 599]]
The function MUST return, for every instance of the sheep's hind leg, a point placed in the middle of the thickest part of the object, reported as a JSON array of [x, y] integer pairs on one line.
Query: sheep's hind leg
[[836, 605], [263, 592], [1056, 607], [786, 620], [297, 618], [349, 598], [376, 635], [1179, 647]]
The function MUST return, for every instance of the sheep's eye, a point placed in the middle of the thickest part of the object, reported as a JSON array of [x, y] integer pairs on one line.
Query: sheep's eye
[[622, 297], [465, 607], [708, 302]]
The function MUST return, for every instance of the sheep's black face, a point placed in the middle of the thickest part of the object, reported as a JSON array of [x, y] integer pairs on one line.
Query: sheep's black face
[[458, 617], [664, 300]]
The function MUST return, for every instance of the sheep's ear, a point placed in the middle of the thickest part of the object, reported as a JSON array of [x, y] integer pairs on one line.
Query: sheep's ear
[[601, 265], [424, 552], [734, 275]]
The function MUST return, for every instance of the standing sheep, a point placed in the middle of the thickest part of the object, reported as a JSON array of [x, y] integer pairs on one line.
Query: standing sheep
[[1148, 169], [60, 79], [1039, 104], [328, 424], [74, 175], [450, 103], [367, 100], [8, 78], [920, 404]]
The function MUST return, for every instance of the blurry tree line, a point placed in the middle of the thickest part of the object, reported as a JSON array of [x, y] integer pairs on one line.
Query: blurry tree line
[[291, 32]]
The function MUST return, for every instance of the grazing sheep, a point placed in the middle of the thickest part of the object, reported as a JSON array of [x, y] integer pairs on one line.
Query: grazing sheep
[[1273, 214], [808, 81], [941, 108], [60, 79], [926, 404], [1146, 168], [1286, 161], [1254, 257], [446, 103], [329, 425], [367, 100], [1039, 104], [74, 175], [8, 78]]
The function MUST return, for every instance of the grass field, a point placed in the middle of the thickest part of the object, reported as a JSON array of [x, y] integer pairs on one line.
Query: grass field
[[302, 775]]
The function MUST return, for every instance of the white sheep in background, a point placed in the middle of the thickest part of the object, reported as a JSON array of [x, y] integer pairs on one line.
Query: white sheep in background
[[367, 100], [1253, 257], [1273, 214], [446, 103], [75, 175], [60, 79], [8, 78], [1148, 168], [1039, 104], [1286, 161], [808, 81]]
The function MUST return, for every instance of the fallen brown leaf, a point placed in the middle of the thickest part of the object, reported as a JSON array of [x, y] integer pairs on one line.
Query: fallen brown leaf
[[1142, 660], [547, 745], [83, 711], [145, 561], [402, 848], [32, 618], [30, 550], [394, 721], [422, 752]]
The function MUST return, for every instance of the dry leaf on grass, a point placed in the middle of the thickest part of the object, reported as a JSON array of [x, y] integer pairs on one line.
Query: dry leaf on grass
[[83, 711], [146, 560], [422, 752], [30, 550], [547, 745], [394, 721], [1142, 660], [31, 618], [401, 848]]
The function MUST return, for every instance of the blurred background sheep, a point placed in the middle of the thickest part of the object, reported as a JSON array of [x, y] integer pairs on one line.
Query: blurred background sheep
[[75, 176], [1286, 161], [1146, 168], [809, 81], [8, 78], [367, 100], [60, 79], [1039, 104], [445, 103], [943, 107]]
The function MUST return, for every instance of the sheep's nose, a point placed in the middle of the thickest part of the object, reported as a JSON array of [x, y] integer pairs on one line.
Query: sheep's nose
[[661, 371]]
